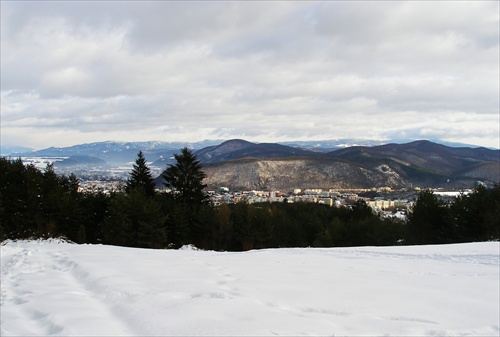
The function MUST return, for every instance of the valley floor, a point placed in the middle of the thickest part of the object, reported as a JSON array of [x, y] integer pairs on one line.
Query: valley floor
[[55, 288]]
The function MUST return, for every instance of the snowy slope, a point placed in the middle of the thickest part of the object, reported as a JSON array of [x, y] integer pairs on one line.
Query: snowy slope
[[55, 288]]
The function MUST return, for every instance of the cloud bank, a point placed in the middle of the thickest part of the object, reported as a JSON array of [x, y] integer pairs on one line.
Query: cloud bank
[[74, 72]]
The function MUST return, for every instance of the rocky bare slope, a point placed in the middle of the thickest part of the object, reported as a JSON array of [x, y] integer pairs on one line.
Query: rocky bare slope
[[287, 174]]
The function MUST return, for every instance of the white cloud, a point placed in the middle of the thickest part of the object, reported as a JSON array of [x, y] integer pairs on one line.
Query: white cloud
[[278, 70]]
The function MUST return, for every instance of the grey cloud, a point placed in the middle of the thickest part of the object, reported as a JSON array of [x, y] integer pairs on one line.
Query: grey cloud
[[260, 69]]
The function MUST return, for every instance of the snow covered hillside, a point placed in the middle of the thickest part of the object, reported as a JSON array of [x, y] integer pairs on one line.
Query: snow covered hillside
[[56, 288]]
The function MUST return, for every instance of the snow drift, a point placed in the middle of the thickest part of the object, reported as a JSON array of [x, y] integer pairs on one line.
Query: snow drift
[[56, 288]]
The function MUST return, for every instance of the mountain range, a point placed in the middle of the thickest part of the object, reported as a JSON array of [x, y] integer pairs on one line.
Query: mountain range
[[239, 164]]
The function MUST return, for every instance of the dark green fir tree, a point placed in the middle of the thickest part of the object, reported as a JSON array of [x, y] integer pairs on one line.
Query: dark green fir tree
[[185, 178], [141, 177]]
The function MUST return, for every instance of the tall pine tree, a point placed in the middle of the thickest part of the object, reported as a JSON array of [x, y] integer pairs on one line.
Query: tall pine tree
[[185, 178], [427, 221], [141, 177]]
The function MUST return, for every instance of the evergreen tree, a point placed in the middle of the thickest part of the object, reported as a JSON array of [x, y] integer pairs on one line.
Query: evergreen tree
[[70, 223], [135, 220], [51, 207], [284, 225], [20, 198], [178, 226], [141, 177], [243, 231], [117, 228], [476, 216], [96, 208], [427, 221], [222, 231], [262, 226], [185, 178]]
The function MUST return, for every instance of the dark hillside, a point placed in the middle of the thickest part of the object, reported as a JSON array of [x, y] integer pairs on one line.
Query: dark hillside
[[424, 162], [239, 149]]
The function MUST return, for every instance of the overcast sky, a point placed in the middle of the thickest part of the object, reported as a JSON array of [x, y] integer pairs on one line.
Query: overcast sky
[[77, 72]]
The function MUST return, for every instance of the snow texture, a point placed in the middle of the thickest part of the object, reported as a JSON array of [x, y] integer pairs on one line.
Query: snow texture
[[57, 288]]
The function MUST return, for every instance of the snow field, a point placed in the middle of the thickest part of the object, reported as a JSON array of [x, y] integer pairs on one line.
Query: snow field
[[56, 288]]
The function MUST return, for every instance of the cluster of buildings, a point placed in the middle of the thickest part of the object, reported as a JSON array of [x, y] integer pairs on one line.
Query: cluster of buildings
[[388, 200], [331, 197], [101, 186]]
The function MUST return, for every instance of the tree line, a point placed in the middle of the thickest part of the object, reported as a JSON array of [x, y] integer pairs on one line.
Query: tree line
[[39, 203]]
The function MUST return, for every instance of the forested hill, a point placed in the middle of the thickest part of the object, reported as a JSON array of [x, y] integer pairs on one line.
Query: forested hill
[[239, 163]]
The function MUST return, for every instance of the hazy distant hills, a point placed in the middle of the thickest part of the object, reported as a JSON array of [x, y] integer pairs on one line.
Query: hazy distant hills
[[8, 150], [116, 153], [241, 164], [81, 160]]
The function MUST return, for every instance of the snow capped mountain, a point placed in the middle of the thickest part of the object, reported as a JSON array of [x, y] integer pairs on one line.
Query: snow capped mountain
[[329, 145], [108, 146]]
